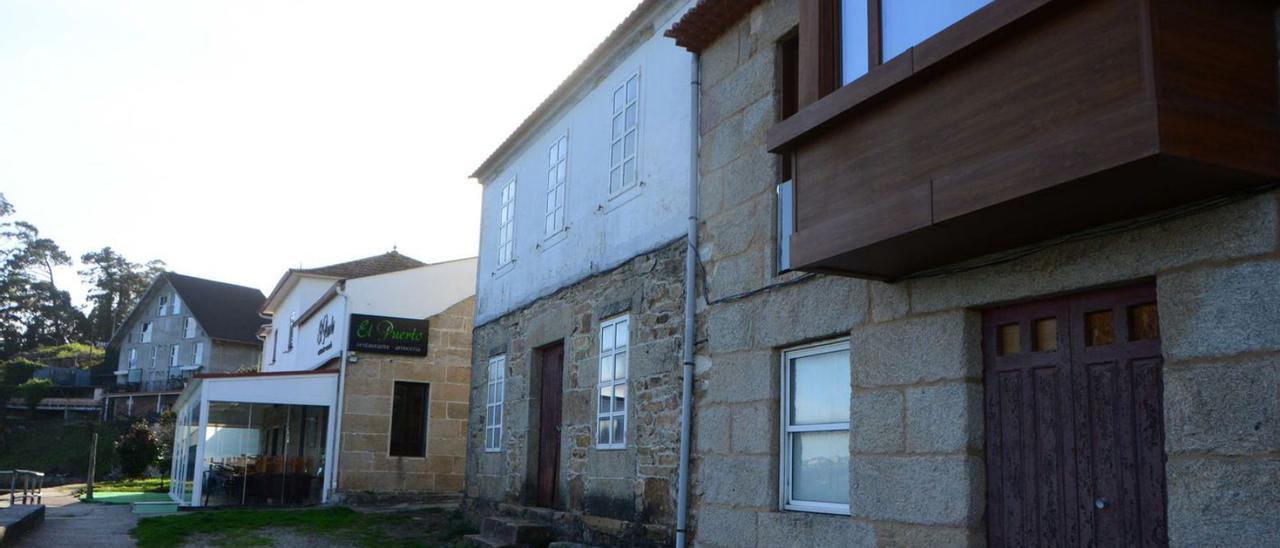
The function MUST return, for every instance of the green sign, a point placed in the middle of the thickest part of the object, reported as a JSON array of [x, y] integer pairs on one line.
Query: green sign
[[386, 335]]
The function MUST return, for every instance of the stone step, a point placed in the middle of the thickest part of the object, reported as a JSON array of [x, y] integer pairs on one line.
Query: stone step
[[18, 520], [517, 531], [563, 544], [488, 542]]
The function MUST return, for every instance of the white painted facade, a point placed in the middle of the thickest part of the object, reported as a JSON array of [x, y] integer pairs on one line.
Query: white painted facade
[[316, 308], [601, 228]]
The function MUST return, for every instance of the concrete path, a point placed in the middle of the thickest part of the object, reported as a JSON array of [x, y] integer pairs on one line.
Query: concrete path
[[69, 522]]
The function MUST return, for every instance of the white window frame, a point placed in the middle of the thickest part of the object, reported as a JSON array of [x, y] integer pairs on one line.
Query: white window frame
[[506, 223], [786, 429], [155, 356], [177, 305], [188, 327], [618, 141], [164, 305], [146, 331], [553, 221], [173, 356], [610, 352], [133, 358], [494, 394], [197, 354]]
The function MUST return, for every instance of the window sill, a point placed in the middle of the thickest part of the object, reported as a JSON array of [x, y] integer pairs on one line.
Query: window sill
[[503, 270], [817, 508], [622, 197], [552, 240], [995, 17], [611, 447]]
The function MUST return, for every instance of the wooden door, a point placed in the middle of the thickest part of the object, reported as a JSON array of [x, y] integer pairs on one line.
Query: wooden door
[[1074, 421], [549, 425]]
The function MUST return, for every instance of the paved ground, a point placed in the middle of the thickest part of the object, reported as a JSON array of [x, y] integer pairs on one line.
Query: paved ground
[[69, 522]]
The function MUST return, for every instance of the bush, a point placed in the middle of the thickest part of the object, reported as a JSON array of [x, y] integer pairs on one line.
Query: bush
[[18, 371], [137, 449], [33, 391]]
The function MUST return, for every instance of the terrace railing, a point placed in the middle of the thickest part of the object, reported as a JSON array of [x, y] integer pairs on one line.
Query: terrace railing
[[25, 486]]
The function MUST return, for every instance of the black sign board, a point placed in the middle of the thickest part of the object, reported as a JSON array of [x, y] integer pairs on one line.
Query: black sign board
[[385, 335]]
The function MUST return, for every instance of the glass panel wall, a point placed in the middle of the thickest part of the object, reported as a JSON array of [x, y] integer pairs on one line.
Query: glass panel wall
[[185, 439], [264, 454]]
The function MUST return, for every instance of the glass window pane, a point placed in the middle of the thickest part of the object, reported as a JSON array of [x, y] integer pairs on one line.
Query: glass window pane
[[602, 431], [615, 153], [1008, 340], [615, 179], [1044, 334], [619, 398], [620, 365], [606, 337], [561, 171], [604, 405], [628, 172], [631, 116], [1144, 322], [906, 23], [820, 467], [630, 147], [785, 225], [617, 126], [619, 428], [1098, 328], [853, 40], [618, 100], [553, 153], [820, 388], [633, 88], [621, 328], [606, 368]]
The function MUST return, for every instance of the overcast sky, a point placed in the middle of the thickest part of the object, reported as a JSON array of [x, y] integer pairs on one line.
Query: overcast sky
[[235, 139]]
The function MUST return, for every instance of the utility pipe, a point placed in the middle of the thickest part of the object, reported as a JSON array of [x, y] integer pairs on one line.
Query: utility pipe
[[690, 294], [341, 288]]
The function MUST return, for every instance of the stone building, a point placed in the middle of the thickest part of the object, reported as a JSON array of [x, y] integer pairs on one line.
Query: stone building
[[361, 393], [576, 354], [1073, 336], [181, 325]]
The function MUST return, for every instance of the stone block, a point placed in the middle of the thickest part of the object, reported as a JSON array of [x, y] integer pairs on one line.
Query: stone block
[[1223, 409], [925, 490], [729, 326], [944, 418], [1221, 502], [1220, 311], [727, 527], [750, 224], [744, 481], [711, 427], [825, 307], [943, 346], [889, 301], [367, 405], [741, 273], [743, 377], [1241, 229], [897, 534], [805, 530], [876, 422], [754, 428]]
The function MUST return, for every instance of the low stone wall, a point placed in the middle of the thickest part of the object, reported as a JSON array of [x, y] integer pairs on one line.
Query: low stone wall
[[604, 496], [365, 469]]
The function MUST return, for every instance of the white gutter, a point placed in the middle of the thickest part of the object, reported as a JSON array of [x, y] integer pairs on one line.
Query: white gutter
[[690, 293], [342, 384]]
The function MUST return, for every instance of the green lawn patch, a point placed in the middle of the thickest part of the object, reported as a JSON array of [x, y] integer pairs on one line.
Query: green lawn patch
[[333, 524], [145, 485], [125, 497]]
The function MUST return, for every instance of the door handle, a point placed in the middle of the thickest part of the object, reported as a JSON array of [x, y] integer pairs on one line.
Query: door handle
[[1101, 503]]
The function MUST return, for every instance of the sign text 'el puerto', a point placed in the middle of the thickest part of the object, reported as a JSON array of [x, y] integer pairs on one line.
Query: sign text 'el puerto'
[[386, 335]]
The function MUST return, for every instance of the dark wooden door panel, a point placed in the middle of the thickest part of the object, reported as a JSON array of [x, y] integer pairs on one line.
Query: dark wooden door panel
[[549, 425], [1075, 444]]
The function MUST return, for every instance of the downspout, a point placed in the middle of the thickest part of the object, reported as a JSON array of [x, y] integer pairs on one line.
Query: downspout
[[342, 385], [690, 293]]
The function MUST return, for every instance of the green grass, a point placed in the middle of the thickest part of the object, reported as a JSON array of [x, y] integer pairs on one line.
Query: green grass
[[146, 485], [126, 497], [336, 524]]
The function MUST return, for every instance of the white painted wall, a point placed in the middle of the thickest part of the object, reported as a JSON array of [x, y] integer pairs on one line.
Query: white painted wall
[[603, 231], [414, 293]]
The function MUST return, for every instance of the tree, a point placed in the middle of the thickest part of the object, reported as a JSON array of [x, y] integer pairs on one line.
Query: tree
[[137, 449], [117, 285], [33, 392], [33, 311]]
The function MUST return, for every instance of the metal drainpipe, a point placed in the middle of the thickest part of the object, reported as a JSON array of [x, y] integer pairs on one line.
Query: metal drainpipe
[[342, 384], [690, 294]]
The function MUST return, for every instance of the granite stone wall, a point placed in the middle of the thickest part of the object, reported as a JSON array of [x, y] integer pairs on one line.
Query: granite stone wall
[[604, 496], [916, 440], [365, 467]]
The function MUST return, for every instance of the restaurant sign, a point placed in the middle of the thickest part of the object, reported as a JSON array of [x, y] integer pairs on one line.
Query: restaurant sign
[[386, 335]]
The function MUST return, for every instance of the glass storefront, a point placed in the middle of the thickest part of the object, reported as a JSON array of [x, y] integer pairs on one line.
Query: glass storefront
[[262, 454]]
